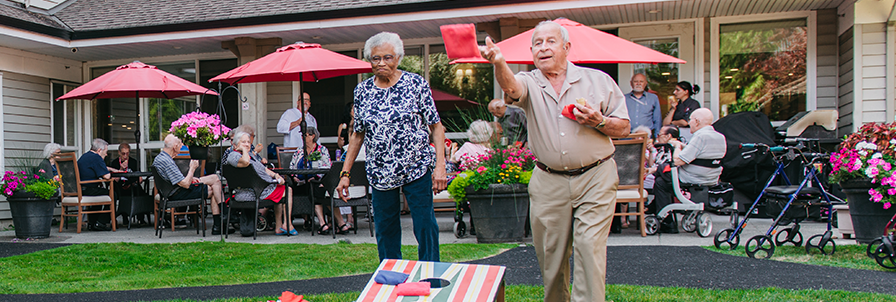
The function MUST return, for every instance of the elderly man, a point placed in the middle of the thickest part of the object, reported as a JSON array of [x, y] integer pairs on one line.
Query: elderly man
[[643, 106], [699, 162], [575, 155], [513, 121], [291, 120], [91, 166], [187, 186]]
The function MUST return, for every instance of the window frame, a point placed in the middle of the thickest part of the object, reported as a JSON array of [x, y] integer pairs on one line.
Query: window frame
[[811, 57]]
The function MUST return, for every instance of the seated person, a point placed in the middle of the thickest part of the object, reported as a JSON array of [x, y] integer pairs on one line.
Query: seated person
[[256, 152], [480, 134], [662, 160], [276, 191], [695, 162], [124, 163], [187, 186], [91, 166], [314, 154], [47, 166]]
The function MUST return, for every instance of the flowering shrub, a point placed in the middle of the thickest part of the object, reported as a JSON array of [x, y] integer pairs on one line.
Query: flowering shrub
[[501, 166], [869, 153], [35, 183], [199, 129]]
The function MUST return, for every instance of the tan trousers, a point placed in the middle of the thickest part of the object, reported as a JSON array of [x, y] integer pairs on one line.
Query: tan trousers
[[573, 213]]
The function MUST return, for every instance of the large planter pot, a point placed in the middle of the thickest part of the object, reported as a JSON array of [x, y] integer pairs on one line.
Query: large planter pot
[[499, 212], [199, 152], [868, 218], [31, 216]]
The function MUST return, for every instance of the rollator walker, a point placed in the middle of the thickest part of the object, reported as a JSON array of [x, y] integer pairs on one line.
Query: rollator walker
[[694, 218]]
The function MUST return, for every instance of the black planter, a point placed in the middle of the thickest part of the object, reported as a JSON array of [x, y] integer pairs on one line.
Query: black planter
[[199, 152], [31, 216], [499, 212], [868, 218]]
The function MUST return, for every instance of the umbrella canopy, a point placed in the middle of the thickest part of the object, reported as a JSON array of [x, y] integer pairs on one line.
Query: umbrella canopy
[[589, 46], [136, 80], [295, 62], [128, 80]]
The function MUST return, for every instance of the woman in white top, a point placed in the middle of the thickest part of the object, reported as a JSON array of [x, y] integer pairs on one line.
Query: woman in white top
[[480, 134]]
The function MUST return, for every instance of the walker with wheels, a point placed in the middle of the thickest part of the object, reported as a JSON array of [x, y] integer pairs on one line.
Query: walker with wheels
[[694, 219], [882, 249]]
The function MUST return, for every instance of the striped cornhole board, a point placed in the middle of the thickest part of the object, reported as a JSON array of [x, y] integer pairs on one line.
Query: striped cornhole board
[[469, 282]]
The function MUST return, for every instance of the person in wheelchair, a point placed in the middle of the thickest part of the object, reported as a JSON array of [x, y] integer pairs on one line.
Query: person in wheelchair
[[699, 162]]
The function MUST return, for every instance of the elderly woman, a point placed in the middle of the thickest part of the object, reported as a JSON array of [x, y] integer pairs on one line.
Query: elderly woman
[[276, 191], [319, 157], [480, 134], [48, 164], [396, 120]]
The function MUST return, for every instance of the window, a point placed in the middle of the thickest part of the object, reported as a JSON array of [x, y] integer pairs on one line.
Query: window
[[209, 103], [762, 67], [161, 113], [64, 116], [662, 77]]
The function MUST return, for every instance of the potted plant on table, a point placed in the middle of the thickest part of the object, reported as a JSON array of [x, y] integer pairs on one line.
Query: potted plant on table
[[865, 167], [32, 198], [496, 186], [198, 130]]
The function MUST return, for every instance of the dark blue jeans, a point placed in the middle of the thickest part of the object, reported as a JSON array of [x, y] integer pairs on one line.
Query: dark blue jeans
[[387, 219]]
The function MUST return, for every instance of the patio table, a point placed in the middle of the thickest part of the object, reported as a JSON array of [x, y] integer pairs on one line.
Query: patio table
[[137, 204], [466, 282]]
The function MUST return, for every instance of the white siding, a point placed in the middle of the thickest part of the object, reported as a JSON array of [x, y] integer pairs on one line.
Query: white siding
[[826, 59], [26, 121], [873, 73], [279, 99], [845, 82]]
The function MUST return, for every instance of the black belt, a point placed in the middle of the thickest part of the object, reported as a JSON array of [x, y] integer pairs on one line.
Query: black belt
[[573, 172]]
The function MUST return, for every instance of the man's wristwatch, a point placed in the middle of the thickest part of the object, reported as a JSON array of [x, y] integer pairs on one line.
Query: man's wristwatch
[[345, 174]]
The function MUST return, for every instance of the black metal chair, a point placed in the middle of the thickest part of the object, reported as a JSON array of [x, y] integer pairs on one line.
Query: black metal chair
[[284, 156], [358, 178], [246, 179], [165, 189]]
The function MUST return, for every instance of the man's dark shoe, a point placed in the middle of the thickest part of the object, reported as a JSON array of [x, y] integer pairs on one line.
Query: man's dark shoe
[[98, 226], [669, 227], [216, 230]]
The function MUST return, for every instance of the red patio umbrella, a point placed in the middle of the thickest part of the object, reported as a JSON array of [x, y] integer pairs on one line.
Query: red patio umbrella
[[589, 46], [295, 62], [138, 80]]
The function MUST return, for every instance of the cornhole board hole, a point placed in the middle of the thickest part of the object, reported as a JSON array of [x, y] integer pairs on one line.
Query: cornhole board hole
[[466, 282]]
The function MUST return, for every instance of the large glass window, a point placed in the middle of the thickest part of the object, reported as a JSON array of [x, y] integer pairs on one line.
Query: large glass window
[[161, 113], [762, 66], [662, 77], [63, 116], [209, 103]]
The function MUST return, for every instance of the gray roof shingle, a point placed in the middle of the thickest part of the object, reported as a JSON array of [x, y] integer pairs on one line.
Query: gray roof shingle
[[26, 16], [92, 15]]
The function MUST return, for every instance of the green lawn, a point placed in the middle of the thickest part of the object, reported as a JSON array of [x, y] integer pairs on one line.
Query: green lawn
[[125, 266], [620, 293], [849, 256]]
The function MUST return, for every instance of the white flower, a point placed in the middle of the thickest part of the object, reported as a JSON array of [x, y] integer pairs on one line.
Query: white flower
[[863, 153], [877, 155], [893, 142]]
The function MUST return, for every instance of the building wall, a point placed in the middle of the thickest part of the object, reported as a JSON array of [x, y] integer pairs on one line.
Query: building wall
[[845, 82], [279, 99], [26, 122], [826, 59], [874, 72]]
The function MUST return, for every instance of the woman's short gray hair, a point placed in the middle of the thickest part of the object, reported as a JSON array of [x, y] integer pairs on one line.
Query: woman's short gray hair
[[385, 38], [50, 149], [313, 131], [238, 135], [564, 34], [480, 131], [244, 128]]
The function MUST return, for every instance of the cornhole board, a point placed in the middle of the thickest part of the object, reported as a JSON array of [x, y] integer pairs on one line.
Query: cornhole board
[[468, 282]]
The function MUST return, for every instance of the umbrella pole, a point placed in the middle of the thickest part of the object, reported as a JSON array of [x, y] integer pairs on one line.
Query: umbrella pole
[[137, 130], [303, 124]]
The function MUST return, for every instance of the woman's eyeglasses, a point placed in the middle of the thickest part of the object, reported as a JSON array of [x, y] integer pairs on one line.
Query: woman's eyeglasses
[[386, 58]]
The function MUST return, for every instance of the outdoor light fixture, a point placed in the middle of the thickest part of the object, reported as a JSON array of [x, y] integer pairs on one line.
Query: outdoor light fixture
[[666, 73], [733, 69], [468, 72], [459, 73], [653, 11], [729, 77]]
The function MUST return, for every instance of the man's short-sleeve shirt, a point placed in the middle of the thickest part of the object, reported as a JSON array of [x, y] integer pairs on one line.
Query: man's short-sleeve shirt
[[557, 141], [395, 122], [167, 168], [91, 166], [706, 143], [514, 124]]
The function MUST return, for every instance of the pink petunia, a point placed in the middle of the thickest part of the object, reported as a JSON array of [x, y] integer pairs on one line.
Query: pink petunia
[[887, 206]]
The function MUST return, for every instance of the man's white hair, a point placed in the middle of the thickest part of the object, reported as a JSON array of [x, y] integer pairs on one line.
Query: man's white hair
[[170, 141], [564, 34], [98, 144], [382, 39]]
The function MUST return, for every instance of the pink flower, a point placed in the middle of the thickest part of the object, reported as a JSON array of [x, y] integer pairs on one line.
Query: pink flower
[[887, 206], [481, 169], [503, 166], [891, 191], [41, 171]]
